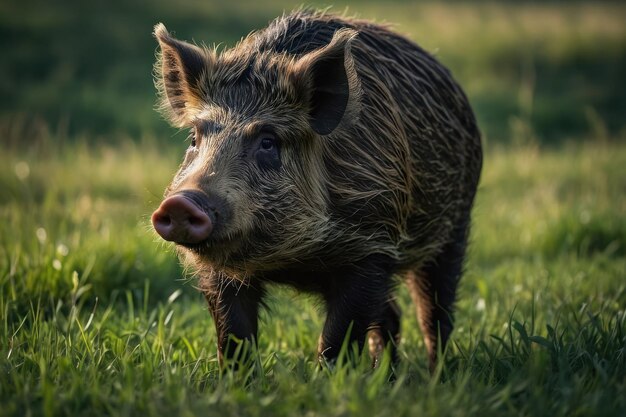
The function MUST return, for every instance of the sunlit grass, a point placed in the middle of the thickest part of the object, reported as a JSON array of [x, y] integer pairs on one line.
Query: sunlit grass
[[94, 321]]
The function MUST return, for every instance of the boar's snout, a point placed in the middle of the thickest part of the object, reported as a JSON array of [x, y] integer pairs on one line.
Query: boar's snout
[[182, 220]]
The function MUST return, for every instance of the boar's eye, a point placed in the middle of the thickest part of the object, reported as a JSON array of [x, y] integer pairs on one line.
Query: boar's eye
[[267, 144], [268, 153]]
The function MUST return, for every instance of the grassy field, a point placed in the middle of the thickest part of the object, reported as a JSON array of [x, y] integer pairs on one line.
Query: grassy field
[[96, 317], [533, 71]]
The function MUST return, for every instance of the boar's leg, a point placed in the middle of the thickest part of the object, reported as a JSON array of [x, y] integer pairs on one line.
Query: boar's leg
[[433, 289], [357, 300], [234, 306], [385, 333]]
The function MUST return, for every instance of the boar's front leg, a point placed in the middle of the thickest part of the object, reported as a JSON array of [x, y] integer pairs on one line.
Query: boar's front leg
[[357, 300], [234, 306]]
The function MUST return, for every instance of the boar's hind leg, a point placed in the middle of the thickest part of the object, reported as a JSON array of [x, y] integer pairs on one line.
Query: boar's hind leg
[[234, 306], [433, 289], [357, 300], [385, 333]]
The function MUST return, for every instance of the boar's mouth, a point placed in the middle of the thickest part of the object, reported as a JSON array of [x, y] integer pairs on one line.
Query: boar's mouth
[[213, 245]]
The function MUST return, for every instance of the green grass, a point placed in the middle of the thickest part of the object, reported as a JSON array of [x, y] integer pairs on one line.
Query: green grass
[[97, 318]]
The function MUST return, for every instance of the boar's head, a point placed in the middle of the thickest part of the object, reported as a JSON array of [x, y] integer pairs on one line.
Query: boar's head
[[251, 194]]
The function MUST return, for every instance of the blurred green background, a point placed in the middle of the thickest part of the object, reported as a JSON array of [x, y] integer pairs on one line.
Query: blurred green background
[[544, 71]]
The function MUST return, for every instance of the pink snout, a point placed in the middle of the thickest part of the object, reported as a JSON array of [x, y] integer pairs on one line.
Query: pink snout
[[180, 220]]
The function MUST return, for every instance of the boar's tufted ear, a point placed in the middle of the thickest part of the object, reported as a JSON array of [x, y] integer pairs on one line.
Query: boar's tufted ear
[[178, 72], [327, 79]]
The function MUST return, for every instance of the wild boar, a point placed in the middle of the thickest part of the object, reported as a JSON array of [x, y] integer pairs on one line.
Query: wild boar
[[327, 153]]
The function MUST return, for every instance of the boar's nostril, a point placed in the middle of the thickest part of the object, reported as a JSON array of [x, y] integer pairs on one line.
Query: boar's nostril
[[180, 220]]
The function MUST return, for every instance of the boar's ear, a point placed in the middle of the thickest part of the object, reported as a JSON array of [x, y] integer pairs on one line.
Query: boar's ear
[[327, 79], [178, 73]]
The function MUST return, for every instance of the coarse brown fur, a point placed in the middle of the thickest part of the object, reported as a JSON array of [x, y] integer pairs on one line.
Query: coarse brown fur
[[377, 180]]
